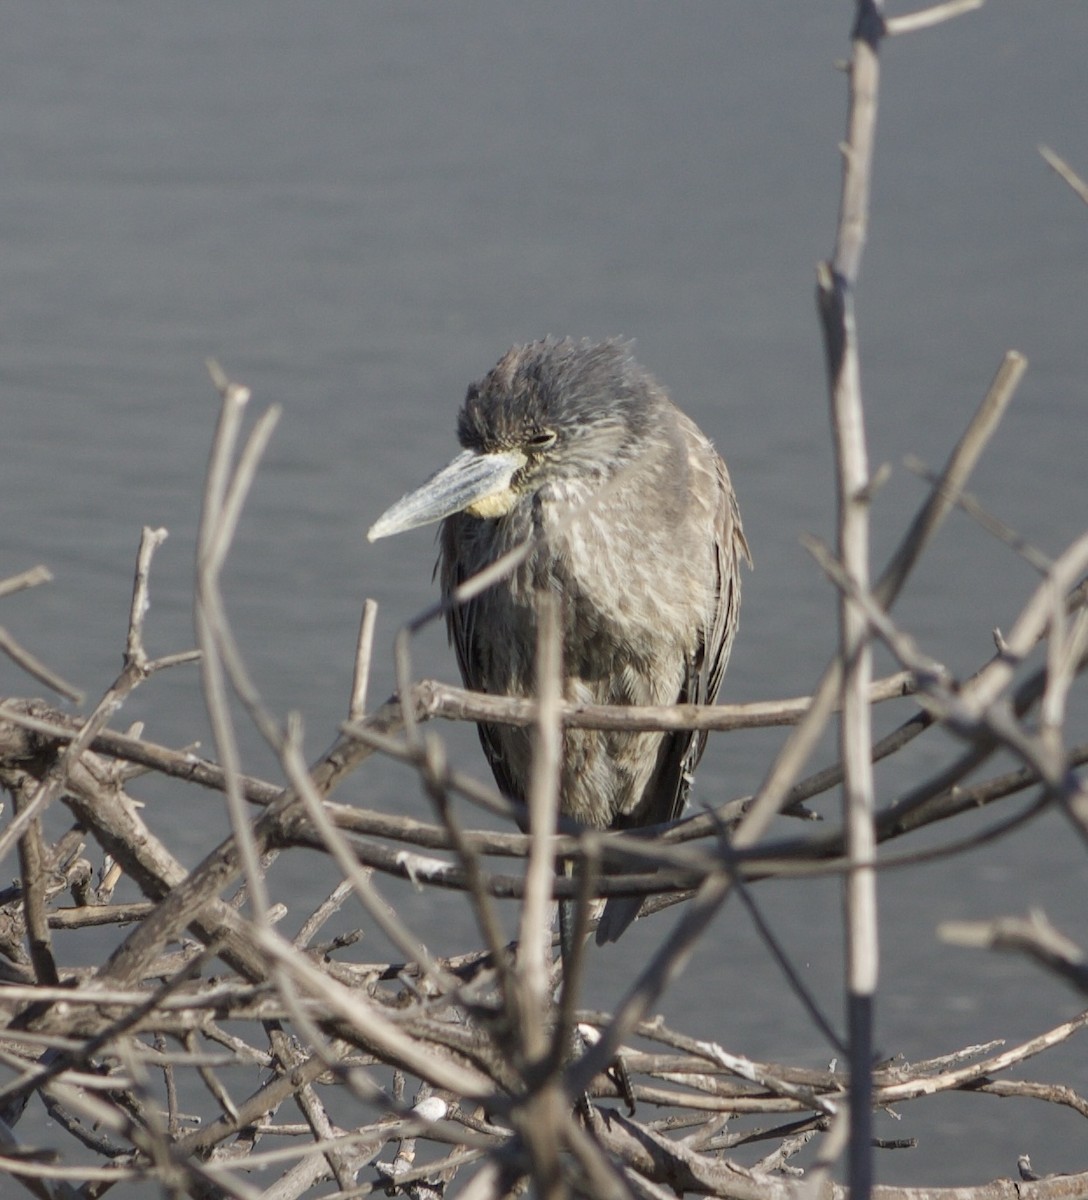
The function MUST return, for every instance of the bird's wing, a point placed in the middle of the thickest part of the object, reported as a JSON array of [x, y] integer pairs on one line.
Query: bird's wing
[[706, 667], [461, 624], [731, 547], [702, 678]]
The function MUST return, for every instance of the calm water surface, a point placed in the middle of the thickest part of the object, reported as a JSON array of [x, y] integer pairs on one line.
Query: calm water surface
[[357, 208]]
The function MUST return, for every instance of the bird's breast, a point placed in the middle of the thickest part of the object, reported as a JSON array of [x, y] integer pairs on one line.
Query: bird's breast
[[635, 573]]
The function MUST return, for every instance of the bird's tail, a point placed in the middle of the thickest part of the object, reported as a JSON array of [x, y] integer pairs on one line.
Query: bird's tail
[[619, 913]]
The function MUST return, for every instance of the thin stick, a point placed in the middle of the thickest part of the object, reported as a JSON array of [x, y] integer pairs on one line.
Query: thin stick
[[1062, 168], [948, 486], [34, 666], [927, 17], [218, 521], [534, 936], [836, 302], [363, 652], [31, 577], [438, 699]]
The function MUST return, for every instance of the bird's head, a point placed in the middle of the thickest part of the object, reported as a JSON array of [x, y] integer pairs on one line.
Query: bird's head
[[547, 413]]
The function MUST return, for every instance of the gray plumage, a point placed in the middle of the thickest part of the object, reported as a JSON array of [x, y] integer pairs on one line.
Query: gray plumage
[[634, 526]]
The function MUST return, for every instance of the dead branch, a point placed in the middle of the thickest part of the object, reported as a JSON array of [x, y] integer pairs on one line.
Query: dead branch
[[209, 1046]]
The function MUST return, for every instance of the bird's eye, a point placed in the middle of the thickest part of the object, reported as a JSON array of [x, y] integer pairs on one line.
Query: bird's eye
[[542, 440]]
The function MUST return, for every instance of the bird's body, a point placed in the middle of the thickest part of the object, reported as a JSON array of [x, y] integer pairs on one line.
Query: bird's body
[[633, 525]]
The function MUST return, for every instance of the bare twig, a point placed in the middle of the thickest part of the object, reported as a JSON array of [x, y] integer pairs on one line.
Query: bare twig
[[927, 17], [1062, 168], [1034, 936], [363, 651], [34, 666]]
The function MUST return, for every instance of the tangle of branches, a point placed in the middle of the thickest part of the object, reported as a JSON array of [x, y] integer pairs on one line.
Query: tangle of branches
[[485, 1071]]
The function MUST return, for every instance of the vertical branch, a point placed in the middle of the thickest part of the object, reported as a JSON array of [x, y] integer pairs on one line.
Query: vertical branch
[[534, 940], [836, 303], [226, 488], [33, 877], [212, 542], [363, 652]]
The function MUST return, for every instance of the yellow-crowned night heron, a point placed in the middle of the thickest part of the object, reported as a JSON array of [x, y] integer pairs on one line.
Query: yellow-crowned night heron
[[634, 526]]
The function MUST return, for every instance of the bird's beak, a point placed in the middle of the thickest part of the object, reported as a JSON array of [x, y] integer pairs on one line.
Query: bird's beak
[[472, 482]]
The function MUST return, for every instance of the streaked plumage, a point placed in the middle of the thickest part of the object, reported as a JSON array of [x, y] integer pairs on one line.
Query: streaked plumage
[[635, 527]]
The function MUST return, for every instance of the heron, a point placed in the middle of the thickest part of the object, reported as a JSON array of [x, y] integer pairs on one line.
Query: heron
[[632, 523]]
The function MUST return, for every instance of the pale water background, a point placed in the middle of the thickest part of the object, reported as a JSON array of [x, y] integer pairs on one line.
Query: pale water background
[[356, 208]]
